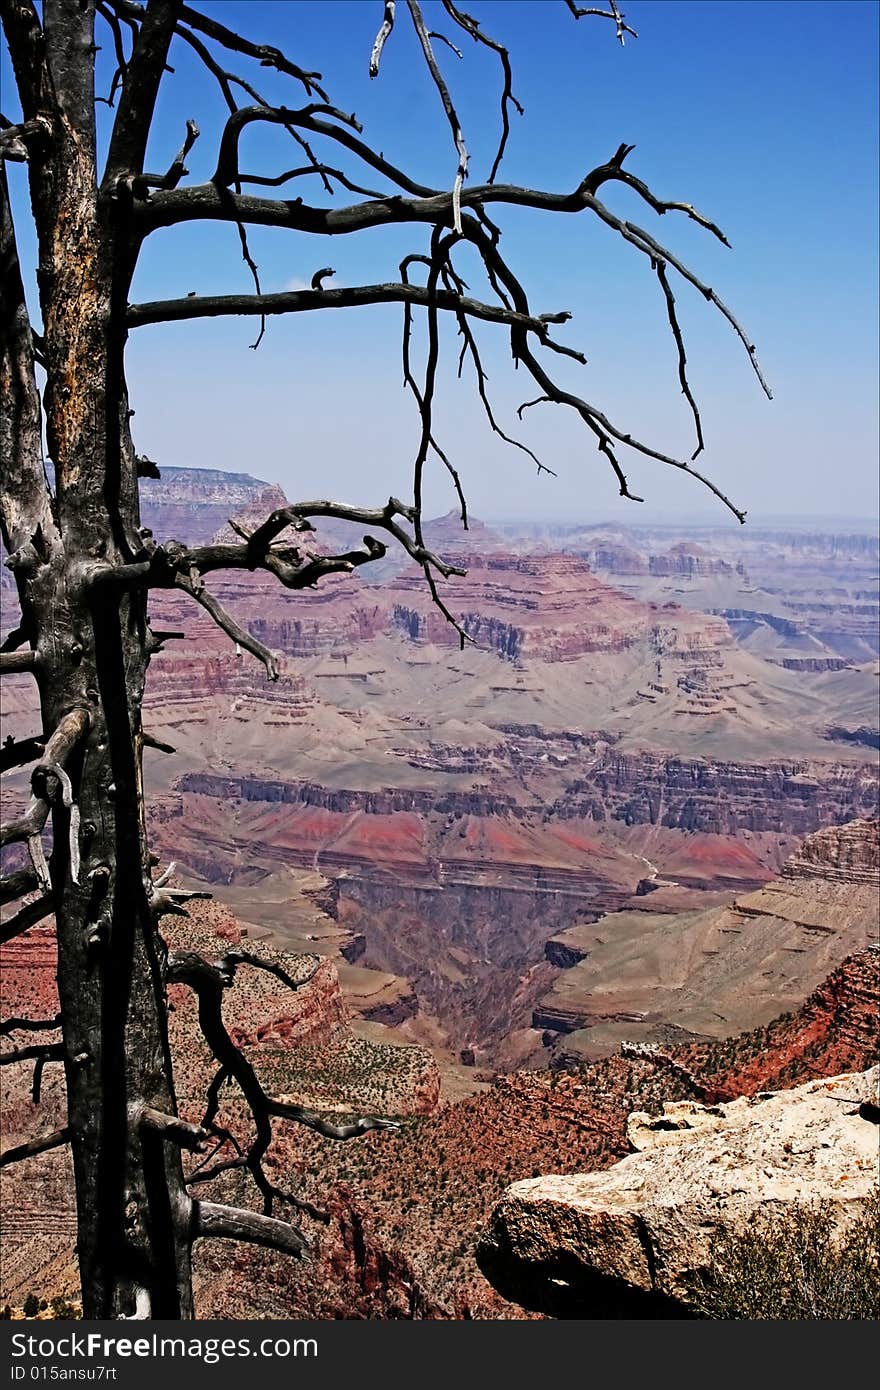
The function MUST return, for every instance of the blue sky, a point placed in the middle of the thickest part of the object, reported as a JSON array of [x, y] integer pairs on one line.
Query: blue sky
[[761, 114]]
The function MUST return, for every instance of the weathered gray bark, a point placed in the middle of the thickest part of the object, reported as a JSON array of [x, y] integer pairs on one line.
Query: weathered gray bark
[[91, 656]]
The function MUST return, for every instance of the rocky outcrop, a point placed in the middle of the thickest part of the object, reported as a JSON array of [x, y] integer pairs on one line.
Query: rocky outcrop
[[863, 734], [836, 1029], [633, 1237], [814, 663], [687, 560], [548, 608], [343, 801], [841, 854]]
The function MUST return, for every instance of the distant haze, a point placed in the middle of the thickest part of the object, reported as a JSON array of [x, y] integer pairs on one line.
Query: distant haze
[[764, 116]]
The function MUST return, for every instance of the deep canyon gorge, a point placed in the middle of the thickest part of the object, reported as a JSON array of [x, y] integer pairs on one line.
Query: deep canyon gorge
[[639, 810]]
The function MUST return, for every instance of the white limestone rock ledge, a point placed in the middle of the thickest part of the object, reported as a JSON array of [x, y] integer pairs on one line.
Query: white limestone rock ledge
[[626, 1241]]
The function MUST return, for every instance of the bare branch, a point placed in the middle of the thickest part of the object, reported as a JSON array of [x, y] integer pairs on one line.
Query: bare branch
[[150, 741], [49, 1052], [660, 268], [17, 142], [598, 423], [613, 171], [169, 1127], [15, 639], [644, 242], [266, 54], [115, 25], [256, 551], [381, 38], [581, 12], [15, 885], [224, 620], [26, 917], [470, 346], [17, 661], [27, 825], [320, 275], [410, 381], [137, 102], [211, 1220], [343, 297], [424, 396], [388, 22], [48, 779], [208, 981], [227, 160], [472, 27], [176, 170], [447, 43], [330, 1129], [451, 114], [326, 171], [14, 754], [35, 1146], [29, 1025]]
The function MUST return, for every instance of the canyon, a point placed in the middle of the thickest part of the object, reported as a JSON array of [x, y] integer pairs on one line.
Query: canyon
[[468, 805], [403, 1211], [593, 862], [654, 975]]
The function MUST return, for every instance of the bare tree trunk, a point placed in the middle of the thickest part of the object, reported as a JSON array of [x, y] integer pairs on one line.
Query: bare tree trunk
[[91, 643], [132, 1204]]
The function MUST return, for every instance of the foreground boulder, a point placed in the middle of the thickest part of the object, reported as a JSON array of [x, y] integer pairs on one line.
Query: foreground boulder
[[628, 1241]]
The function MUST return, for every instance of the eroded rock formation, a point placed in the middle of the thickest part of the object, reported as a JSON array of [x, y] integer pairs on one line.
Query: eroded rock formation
[[634, 1236], [710, 971]]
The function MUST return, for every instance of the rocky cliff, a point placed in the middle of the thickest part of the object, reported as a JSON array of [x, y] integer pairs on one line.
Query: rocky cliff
[[545, 608], [837, 1028], [193, 504], [723, 798], [841, 854], [631, 1240]]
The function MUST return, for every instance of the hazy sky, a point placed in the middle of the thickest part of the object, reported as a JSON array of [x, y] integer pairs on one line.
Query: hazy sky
[[761, 114]]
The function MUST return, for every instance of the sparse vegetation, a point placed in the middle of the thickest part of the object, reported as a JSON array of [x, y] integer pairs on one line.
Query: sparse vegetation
[[791, 1266]]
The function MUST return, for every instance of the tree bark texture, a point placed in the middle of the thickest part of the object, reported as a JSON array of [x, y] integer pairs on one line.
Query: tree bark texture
[[91, 656]]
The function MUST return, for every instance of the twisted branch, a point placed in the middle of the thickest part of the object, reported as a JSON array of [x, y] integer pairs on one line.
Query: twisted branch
[[208, 980]]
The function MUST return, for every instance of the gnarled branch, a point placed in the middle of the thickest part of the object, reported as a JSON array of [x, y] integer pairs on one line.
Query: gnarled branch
[[26, 917], [208, 980], [214, 1221]]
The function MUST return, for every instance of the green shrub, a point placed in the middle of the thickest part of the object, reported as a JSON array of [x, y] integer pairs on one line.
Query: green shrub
[[788, 1266], [63, 1310], [31, 1306]]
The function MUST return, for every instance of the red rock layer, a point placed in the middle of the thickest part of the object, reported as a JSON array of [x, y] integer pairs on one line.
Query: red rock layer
[[836, 1030]]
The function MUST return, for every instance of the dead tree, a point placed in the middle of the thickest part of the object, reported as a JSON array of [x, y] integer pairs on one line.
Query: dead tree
[[84, 566]]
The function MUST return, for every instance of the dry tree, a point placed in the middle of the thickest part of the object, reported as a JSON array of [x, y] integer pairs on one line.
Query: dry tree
[[84, 566]]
